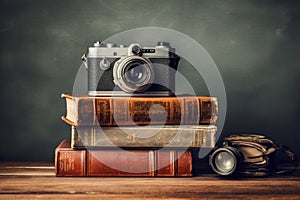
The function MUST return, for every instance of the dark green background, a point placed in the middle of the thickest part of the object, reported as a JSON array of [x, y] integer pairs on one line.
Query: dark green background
[[255, 45]]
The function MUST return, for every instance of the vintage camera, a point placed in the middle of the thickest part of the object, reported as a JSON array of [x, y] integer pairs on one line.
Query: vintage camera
[[252, 155], [133, 70]]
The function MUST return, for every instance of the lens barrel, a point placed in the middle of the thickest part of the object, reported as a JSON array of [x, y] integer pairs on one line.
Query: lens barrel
[[133, 74], [225, 160]]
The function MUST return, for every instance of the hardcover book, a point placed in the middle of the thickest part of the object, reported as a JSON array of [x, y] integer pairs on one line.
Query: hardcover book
[[144, 136], [116, 162], [127, 111]]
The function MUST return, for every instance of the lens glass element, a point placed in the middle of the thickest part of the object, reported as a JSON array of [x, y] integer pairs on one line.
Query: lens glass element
[[225, 161], [133, 74], [136, 74]]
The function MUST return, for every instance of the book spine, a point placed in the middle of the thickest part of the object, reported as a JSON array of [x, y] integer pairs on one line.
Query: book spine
[[68, 161], [139, 136], [120, 163], [112, 162], [122, 111], [173, 163], [208, 110]]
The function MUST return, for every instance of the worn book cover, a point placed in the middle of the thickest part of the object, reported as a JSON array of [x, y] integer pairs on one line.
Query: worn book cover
[[144, 136], [116, 162], [128, 111]]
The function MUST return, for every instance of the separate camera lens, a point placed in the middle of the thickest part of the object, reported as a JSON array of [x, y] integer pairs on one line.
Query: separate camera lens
[[225, 161]]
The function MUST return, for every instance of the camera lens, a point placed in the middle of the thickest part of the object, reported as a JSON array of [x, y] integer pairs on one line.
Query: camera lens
[[133, 74], [136, 73], [225, 161]]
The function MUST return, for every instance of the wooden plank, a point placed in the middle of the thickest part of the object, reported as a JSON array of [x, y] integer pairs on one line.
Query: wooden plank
[[36, 180]]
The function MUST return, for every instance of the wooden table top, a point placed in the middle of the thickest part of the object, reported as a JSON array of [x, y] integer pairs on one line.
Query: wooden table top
[[21, 180]]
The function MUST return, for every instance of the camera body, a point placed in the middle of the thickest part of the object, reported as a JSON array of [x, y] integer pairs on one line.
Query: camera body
[[133, 70]]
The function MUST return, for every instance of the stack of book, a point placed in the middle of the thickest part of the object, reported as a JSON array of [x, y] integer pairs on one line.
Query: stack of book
[[135, 136]]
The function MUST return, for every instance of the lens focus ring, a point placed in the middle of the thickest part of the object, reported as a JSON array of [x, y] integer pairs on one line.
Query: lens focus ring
[[133, 74]]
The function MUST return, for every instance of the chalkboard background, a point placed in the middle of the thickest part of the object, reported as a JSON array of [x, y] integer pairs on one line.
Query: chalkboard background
[[255, 45]]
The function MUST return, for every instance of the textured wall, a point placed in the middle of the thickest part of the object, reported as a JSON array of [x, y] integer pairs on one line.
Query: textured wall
[[255, 44]]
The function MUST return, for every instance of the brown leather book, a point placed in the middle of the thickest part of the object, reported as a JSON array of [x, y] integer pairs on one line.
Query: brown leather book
[[116, 162], [126, 111], [193, 136]]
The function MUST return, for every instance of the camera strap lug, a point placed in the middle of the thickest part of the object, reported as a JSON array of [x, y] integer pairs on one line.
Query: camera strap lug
[[83, 58]]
